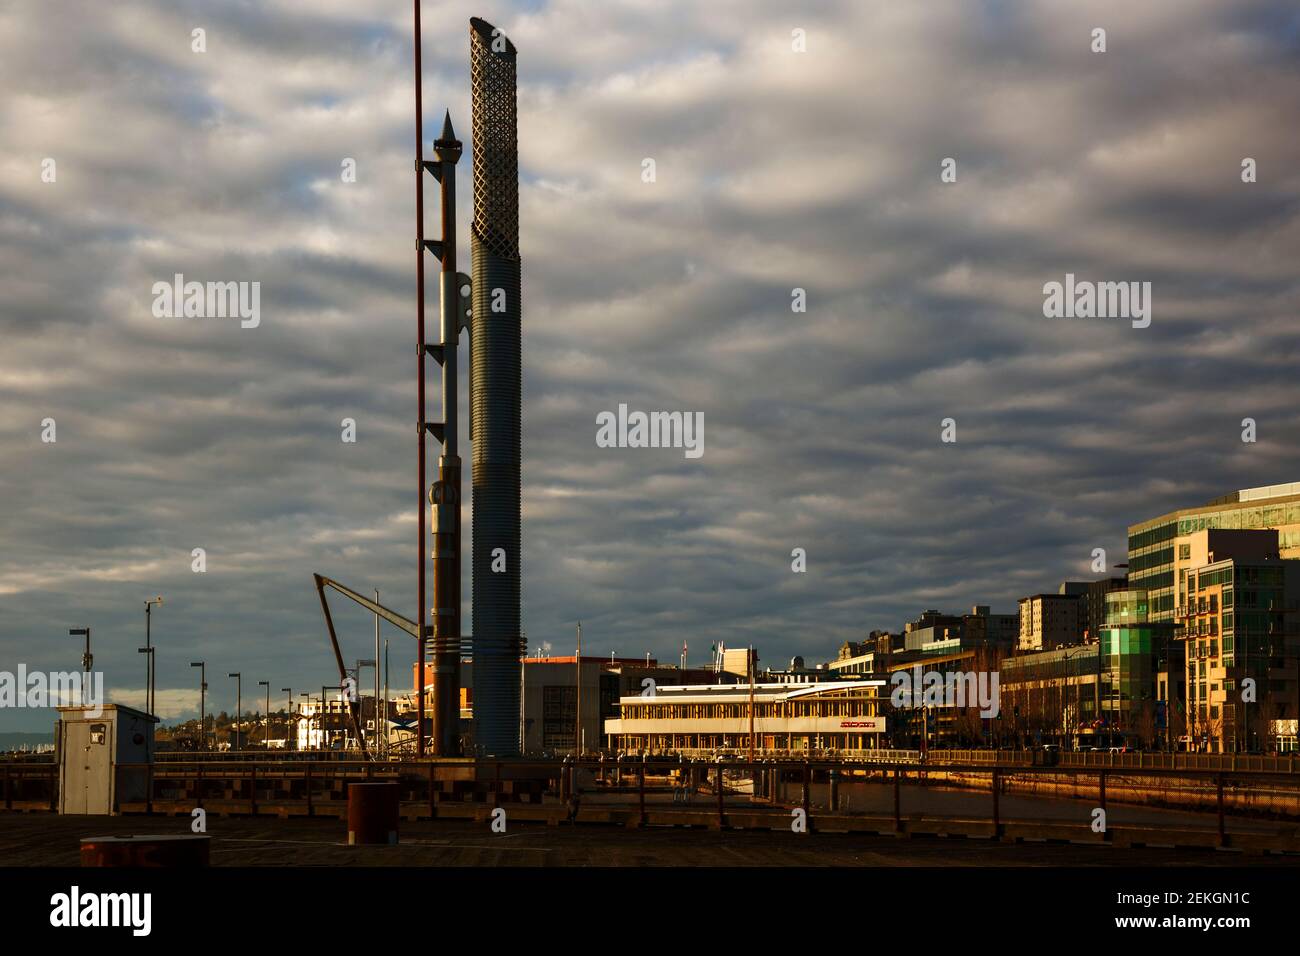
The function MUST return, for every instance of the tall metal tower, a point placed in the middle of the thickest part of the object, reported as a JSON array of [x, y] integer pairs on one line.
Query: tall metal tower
[[495, 392]]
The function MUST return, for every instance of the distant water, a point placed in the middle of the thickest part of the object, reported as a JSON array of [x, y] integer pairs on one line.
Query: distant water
[[17, 741]]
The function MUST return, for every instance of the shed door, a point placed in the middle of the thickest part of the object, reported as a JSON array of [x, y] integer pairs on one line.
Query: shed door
[[76, 739], [99, 766]]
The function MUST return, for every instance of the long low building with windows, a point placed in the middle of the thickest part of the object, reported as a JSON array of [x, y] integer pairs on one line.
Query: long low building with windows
[[801, 717]]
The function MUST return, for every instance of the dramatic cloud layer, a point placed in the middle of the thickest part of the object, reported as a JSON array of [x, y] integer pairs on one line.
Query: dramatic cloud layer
[[775, 170]]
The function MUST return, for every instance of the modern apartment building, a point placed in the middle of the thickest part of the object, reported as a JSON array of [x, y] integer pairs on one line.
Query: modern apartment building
[[1239, 614], [1159, 549], [1049, 621]]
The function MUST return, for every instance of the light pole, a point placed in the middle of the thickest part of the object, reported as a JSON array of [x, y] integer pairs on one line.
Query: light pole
[[86, 659], [239, 703], [148, 670], [386, 696], [266, 715], [148, 643], [203, 714], [288, 714], [577, 709]]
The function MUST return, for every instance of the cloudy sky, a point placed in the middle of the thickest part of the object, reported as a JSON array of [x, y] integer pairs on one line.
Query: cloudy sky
[[775, 169]]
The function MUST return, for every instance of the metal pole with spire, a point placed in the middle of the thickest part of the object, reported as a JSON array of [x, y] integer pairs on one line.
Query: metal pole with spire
[[444, 496]]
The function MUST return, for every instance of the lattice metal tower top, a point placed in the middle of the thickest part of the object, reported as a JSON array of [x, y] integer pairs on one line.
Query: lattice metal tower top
[[496, 155]]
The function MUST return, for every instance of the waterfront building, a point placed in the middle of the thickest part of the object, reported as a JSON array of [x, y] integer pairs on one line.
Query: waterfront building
[[787, 718], [1159, 549], [1239, 616]]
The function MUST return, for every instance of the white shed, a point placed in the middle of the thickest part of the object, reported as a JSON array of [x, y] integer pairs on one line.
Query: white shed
[[95, 750]]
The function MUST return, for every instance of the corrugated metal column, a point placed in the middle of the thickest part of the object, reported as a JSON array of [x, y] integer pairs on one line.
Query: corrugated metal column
[[495, 393]]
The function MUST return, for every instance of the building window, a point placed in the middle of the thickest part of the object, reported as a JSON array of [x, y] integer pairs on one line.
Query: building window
[[559, 711]]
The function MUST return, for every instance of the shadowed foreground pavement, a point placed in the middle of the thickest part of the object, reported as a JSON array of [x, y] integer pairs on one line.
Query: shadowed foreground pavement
[[44, 840]]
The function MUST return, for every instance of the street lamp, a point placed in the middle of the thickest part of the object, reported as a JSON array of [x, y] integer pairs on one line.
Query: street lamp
[[239, 703], [86, 659], [148, 643], [266, 716], [288, 714], [203, 687]]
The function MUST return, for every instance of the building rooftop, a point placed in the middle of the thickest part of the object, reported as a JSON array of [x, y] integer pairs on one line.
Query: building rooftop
[[737, 693]]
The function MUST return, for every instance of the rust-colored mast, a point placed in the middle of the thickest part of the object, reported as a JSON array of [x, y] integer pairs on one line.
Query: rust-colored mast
[[419, 387]]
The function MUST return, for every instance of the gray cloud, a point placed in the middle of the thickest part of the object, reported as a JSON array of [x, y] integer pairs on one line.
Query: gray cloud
[[775, 170]]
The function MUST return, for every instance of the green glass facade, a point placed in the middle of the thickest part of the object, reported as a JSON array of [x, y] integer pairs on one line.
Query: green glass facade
[[1152, 544], [1133, 651]]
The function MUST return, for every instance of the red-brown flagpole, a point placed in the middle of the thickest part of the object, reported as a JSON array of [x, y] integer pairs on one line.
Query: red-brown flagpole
[[419, 344]]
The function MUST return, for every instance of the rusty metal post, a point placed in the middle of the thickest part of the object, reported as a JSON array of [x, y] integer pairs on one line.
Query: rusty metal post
[[722, 813], [641, 794], [898, 800], [1223, 836], [997, 816]]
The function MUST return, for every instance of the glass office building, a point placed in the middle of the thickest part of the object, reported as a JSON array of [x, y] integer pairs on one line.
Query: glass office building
[[1135, 650], [1159, 551]]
